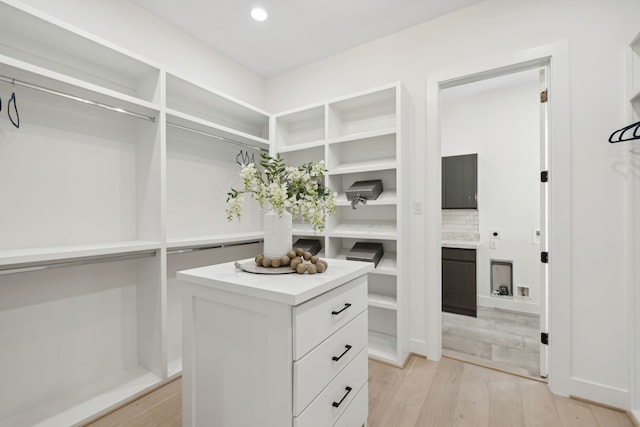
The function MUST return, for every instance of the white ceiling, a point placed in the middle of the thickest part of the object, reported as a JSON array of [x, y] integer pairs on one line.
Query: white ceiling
[[297, 32]]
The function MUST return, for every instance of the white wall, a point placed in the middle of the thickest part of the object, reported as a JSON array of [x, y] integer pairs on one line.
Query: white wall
[[128, 26], [597, 32], [500, 121]]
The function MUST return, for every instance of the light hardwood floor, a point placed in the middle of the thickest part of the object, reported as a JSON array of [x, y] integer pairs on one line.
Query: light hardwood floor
[[448, 393]]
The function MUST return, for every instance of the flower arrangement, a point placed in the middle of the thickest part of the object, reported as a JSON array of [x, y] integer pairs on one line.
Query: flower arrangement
[[298, 190]]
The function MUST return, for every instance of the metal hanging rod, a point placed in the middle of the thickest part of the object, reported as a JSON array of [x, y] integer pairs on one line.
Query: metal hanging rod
[[76, 98], [83, 261], [221, 138], [218, 246]]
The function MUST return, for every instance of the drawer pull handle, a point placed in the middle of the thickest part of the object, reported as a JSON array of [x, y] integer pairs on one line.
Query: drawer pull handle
[[336, 358], [346, 305], [348, 389]]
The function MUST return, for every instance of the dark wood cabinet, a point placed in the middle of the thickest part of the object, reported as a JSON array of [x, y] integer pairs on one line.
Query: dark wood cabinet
[[460, 182], [459, 281]]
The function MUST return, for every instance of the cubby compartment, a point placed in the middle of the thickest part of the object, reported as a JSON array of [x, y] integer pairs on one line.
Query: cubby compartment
[[43, 44], [339, 247], [322, 253], [184, 259], [200, 173], [299, 157], [300, 128], [382, 291], [383, 340], [341, 182], [74, 174], [363, 154], [365, 221], [363, 113], [219, 112], [76, 340]]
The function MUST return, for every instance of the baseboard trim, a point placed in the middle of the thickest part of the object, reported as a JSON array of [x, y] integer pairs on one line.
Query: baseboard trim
[[418, 347], [516, 304], [600, 394], [125, 402]]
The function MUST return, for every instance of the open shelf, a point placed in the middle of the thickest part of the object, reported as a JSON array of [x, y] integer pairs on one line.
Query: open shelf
[[199, 174], [383, 347], [69, 181], [387, 197], [218, 133], [45, 256], [34, 38], [369, 134], [363, 166], [212, 106], [364, 112], [78, 339], [383, 301], [380, 150], [301, 147], [388, 264], [365, 229], [300, 128], [297, 158], [214, 240]]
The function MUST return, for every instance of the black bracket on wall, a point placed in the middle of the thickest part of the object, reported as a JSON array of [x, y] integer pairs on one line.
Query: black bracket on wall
[[544, 338], [544, 257]]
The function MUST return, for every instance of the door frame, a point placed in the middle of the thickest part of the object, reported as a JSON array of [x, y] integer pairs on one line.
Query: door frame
[[556, 57]]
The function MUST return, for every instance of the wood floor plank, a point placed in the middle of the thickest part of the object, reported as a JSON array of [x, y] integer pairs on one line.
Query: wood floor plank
[[538, 405], [574, 414], [505, 408], [439, 406], [472, 408]]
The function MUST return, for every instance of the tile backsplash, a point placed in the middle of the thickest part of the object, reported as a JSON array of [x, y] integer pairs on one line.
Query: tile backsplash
[[460, 224]]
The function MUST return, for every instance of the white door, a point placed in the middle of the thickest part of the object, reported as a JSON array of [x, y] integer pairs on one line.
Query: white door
[[544, 217]]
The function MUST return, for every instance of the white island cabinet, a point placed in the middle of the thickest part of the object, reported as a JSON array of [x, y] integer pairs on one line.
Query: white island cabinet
[[275, 350]]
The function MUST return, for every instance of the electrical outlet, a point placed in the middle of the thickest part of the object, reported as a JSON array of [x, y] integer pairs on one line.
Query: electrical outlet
[[493, 243], [417, 207], [494, 234]]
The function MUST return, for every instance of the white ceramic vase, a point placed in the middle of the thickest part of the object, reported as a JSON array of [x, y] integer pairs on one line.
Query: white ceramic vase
[[277, 234]]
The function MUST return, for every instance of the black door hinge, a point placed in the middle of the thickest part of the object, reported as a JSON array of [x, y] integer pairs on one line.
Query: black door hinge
[[544, 338], [544, 176], [543, 96], [544, 257]]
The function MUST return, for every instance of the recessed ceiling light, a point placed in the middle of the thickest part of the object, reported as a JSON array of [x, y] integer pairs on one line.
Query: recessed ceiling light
[[259, 14]]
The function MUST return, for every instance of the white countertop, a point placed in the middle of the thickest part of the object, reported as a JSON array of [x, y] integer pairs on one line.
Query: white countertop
[[462, 244], [291, 289]]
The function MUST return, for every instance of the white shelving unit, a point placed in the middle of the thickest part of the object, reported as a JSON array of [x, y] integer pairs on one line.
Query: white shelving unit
[[103, 201], [361, 137]]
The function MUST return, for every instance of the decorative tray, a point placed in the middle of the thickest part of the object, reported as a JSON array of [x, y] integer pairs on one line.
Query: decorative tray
[[251, 267]]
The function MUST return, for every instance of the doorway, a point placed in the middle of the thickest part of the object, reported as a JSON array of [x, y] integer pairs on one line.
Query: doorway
[[499, 121]]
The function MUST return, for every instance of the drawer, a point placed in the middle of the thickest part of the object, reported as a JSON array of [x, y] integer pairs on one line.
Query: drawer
[[331, 403], [318, 367], [357, 412], [459, 254], [315, 320]]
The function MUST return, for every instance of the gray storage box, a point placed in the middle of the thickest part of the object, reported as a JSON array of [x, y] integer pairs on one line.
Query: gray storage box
[[308, 245], [369, 190], [365, 251]]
